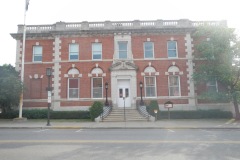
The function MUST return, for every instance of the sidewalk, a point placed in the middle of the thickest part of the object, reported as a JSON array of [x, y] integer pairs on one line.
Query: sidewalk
[[161, 124]]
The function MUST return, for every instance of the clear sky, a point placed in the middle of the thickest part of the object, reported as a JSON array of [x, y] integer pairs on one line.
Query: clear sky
[[52, 11]]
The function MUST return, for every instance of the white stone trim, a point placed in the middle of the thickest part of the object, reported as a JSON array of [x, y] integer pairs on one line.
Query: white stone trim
[[36, 76], [18, 56], [57, 72], [123, 37], [189, 69]]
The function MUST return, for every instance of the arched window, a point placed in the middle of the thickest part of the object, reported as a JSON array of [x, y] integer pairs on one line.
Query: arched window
[[174, 81], [97, 83], [73, 84], [150, 82]]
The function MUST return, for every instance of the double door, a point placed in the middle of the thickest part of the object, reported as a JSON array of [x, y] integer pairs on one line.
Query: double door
[[124, 97]]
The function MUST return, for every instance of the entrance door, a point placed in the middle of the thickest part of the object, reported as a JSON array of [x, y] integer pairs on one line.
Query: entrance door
[[124, 98]]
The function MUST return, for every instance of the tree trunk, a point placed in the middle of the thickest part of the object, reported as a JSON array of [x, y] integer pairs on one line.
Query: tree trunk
[[235, 103]]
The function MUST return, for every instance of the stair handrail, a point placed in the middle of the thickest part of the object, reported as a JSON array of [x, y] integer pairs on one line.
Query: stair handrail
[[142, 109], [106, 111]]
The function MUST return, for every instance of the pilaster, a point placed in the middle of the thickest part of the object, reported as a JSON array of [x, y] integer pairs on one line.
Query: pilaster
[[190, 64], [57, 73]]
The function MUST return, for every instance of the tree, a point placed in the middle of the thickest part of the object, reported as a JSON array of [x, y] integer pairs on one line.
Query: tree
[[216, 58], [10, 88]]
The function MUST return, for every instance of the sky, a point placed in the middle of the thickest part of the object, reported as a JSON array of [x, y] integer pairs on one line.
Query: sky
[[52, 11]]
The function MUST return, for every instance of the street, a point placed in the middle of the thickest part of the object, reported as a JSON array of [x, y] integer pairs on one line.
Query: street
[[116, 144]]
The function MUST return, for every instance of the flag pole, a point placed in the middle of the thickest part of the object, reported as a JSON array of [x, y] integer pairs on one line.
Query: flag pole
[[23, 58]]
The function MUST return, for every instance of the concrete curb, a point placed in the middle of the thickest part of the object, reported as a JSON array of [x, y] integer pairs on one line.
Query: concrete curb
[[121, 127]]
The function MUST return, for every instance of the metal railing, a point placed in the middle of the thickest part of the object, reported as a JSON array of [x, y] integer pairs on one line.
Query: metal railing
[[106, 111], [142, 109]]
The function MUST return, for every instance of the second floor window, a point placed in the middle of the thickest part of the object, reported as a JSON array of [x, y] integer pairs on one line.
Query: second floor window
[[96, 51], [37, 53], [122, 50], [148, 50], [73, 51], [172, 49]]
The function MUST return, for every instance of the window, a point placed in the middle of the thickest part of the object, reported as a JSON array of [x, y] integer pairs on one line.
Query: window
[[150, 86], [37, 53], [96, 51], [174, 87], [73, 88], [97, 88], [35, 88], [212, 86], [148, 50], [122, 50], [172, 49], [73, 51]]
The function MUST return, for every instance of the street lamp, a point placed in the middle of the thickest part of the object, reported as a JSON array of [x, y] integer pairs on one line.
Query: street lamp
[[155, 111], [141, 86], [49, 89], [106, 87]]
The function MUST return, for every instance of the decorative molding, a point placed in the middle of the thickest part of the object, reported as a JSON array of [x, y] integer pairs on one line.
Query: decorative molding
[[36, 76], [123, 65]]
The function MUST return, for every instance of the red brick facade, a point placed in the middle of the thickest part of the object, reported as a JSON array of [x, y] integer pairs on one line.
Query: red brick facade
[[55, 40]]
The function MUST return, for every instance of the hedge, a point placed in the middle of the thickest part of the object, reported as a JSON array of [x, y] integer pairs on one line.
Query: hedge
[[42, 114], [198, 114]]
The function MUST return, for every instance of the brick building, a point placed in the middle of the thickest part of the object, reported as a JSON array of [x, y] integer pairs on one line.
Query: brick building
[[86, 55]]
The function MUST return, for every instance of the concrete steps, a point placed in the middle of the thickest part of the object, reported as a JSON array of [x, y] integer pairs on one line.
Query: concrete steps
[[117, 115]]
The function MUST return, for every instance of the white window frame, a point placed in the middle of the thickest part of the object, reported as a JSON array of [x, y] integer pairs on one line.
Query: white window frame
[[155, 87], [73, 52], [174, 86], [96, 51], [118, 50], [210, 85], [97, 87], [148, 50], [36, 54], [73, 88], [172, 49]]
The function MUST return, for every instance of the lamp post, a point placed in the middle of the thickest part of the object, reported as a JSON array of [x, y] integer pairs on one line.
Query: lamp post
[[155, 111], [49, 89], [141, 86], [106, 87]]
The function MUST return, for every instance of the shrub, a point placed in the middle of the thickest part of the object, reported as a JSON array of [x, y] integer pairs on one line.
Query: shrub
[[96, 109], [152, 106]]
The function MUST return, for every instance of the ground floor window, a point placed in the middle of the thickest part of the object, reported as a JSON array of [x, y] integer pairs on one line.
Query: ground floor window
[[174, 87], [212, 86], [97, 88], [150, 86], [73, 88]]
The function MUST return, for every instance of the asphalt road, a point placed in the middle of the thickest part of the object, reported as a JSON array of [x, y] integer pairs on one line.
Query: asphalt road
[[119, 144]]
